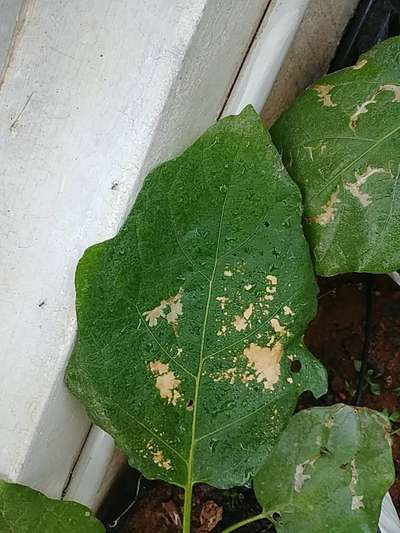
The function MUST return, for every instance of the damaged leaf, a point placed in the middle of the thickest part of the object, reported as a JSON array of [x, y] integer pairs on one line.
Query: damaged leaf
[[190, 319], [329, 471], [340, 142], [24, 510]]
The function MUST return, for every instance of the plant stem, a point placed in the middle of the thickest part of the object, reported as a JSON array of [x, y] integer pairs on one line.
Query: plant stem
[[187, 509], [245, 522]]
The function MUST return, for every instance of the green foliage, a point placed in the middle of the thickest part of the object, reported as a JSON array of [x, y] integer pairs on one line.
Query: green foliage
[[328, 472], [23, 510], [190, 320], [340, 143]]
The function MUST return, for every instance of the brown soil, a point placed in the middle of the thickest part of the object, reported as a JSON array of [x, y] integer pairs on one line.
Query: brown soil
[[336, 337]]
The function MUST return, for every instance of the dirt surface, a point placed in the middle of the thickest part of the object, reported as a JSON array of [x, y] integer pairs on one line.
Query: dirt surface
[[336, 336]]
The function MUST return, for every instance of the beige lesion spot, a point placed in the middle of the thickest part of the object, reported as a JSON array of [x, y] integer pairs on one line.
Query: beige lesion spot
[[300, 477], [328, 210], [266, 363], [158, 456], [287, 311], [277, 327], [228, 273], [272, 282], [241, 322], [360, 64], [166, 382], [354, 188], [228, 375], [174, 304], [324, 94], [356, 501], [222, 331], [363, 108], [248, 287], [223, 300], [395, 89]]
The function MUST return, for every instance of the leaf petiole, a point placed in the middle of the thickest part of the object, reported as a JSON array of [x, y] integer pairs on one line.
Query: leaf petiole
[[187, 509], [245, 522]]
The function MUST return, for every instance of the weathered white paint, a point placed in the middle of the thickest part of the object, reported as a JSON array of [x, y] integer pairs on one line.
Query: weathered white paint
[[9, 10], [95, 94], [91, 467], [269, 49]]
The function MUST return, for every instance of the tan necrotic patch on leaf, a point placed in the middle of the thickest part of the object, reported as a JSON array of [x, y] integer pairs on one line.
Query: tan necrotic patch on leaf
[[363, 108], [266, 362], [324, 94], [277, 327], [360, 64], [287, 311], [300, 477], [158, 456], [166, 382], [356, 501], [223, 300], [354, 188], [242, 321], [328, 210], [175, 310]]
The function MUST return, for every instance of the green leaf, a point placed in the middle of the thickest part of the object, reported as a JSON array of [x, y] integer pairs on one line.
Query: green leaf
[[24, 510], [340, 142], [328, 472], [191, 318]]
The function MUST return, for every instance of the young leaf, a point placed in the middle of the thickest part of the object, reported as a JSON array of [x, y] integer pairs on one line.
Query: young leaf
[[328, 472], [340, 142], [191, 319], [24, 510]]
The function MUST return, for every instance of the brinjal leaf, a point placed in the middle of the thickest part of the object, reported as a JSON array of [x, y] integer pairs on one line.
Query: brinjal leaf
[[341, 143], [190, 320], [329, 471], [24, 510]]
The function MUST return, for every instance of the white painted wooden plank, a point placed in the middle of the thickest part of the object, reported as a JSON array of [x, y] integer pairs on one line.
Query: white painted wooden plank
[[96, 93], [266, 56], [9, 10]]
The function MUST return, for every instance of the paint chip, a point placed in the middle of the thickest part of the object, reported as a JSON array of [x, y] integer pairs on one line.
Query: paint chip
[[166, 382], [324, 94]]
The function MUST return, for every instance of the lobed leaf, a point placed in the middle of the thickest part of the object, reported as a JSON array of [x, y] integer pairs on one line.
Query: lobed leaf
[[24, 510], [328, 472], [340, 142], [190, 320]]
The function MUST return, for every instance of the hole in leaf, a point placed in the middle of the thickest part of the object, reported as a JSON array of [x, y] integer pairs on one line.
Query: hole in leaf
[[266, 224], [324, 450], [295, 366], [189, 405], [276, 516], [344, 466]]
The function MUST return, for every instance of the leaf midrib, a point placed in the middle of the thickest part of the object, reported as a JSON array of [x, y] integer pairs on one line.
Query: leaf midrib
[[189, 481]]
